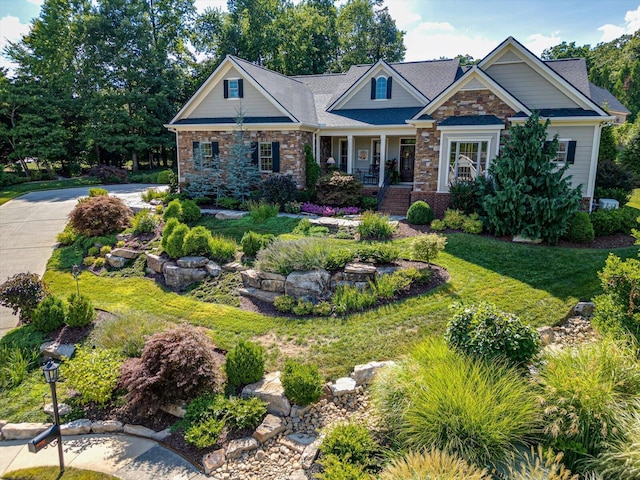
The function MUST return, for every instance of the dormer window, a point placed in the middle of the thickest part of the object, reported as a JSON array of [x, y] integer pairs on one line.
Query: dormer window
[[233, 88], [381, 88]]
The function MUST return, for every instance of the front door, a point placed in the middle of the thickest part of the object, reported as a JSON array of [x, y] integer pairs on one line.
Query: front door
[[407, 158]]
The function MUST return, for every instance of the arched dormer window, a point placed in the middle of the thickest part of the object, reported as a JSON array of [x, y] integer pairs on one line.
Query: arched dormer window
[[381, 88]]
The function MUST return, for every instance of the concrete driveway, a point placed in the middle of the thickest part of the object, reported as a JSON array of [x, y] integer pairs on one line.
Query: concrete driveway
[[28, 228]]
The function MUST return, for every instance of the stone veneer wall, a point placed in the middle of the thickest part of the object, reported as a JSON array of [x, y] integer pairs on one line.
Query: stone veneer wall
[[292, 161], [471, 102]]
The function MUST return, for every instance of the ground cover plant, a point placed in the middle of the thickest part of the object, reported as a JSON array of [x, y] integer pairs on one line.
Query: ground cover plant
[[53, 473]]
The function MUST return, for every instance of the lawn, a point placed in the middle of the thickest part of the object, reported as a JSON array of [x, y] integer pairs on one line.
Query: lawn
[[53, 473], [13, 191]]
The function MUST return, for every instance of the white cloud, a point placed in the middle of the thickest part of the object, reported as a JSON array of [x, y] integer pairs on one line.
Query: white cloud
[[537, 42], [12, 30], [631, 24], [404, 13], [36, 2], [201, 5]]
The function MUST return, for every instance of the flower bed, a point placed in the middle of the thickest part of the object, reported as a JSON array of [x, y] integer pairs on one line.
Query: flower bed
[[327, 211]]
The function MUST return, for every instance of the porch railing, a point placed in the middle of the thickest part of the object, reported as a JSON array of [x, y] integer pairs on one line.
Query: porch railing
[[385, 186]]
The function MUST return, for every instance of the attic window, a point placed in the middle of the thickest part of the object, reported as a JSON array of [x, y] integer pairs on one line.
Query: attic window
[[381, 88], [233, 88]]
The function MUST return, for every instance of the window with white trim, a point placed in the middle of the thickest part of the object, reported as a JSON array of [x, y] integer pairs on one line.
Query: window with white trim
[[381, 88], [206, 150], [265, 157], [467, 161], [561, 154], [234, 89]]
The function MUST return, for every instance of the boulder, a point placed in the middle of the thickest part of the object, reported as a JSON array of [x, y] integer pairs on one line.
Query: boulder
[[272, 276], [276, 286], [250, 278], [115, 261], [234, 267], [270, 390], [127, 253], [314, 284], [261, 295], [235, 448], [192, 262], [213, 269], [177, 277], [297, 441], [23, 431], [155, 262], [298, 475], [63, 409], [56, 350], [387, 269], [584, 309], [298, 411], [269, 428], [310, 453], [107, 426], [139, 431], [230, 215], [343, 386], [358, 268], [162, 435], [76, 427], [213, 460], [547, 335], [176, 410], [363, 374]]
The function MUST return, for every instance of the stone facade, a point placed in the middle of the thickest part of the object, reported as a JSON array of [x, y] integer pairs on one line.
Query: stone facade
[[292, 161]]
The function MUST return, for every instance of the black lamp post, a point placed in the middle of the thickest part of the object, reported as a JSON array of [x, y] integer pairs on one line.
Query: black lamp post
[[51, 372]]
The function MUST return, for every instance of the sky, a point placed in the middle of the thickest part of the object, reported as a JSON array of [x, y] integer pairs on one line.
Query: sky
[[446, 28]]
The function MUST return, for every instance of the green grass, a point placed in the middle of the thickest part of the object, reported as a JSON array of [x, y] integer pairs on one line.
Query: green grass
[[53, 473], [13, 191], [237, 228]]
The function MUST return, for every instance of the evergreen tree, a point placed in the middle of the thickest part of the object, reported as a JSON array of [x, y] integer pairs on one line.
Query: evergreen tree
[[207, 179], [241, 172], [532, 196], [608, 148], [630, 156]]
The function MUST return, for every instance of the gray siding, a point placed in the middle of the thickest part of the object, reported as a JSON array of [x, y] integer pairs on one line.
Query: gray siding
[[529, 87], [399, 97], [508, 56], [474, 84], [583, 137], [253, 104]]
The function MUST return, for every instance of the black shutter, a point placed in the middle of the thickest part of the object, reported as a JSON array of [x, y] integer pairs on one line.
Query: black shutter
[[571, 152], [240, 88], [545, 147], [373, 89], [226, 89], [389, 83], [275, 156], [215, 148], [254, 153]]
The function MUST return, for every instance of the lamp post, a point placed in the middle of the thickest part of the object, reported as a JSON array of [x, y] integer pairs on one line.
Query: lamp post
[[51, 372], [75, 271]]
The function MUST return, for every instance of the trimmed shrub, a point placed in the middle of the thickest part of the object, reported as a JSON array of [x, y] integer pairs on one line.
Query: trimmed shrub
[[579, 228], [278, 189], [351, 443], [96, 192], [176, 365], [339, 190], [191, 212], [49, 315], [454, 219], [145, 222], [252, 242], [173, 210], [302, 383], [284, 303], [167, 230], [244, 365], [22, 293], [105, 249], [472, 224], [484, 331], [197, 242], [426, 247], [93, 251], [175, 242], [432, 464], [322, 309], [205, 433], [164, 176], [419, 213], [312, 170], [223, 249], [606, 221], [375, 226], [377, 252], [629, 219], [101, 215], [99, 262], [81, 312], [438, 225], [286, 256], [88, 261], [93, 373]]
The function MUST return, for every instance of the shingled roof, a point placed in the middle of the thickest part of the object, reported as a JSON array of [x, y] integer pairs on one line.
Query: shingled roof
[[605, 99]]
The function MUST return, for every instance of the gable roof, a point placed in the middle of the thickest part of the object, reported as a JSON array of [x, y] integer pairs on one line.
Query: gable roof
[[574, 71], [601, 96]]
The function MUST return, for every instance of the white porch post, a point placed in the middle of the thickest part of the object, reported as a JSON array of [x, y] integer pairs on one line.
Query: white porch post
[[349, 153], [383, 159]]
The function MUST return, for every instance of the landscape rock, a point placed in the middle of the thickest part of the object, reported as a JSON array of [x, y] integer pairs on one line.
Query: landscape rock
[[546, 335], [343, 386], [230, 215], [234, 267], [584, 309], [155, 262], [314, 284], [162, 434], [297, 441], [76, 427], [275, 286], [270, 390], [272, 276], [298, 475], [359, 268], [177, 277], [115, 261], [63, 409], [214, 460], [238, 447], [138, 430], [269, 428], [363, 374], [176, 410], [310, 453], [127, 253], [261, 295], [387, 269], [250, 278], [56, 350], [298, 411], [213, 269], [107, 426], [192, 262], [23, 431]]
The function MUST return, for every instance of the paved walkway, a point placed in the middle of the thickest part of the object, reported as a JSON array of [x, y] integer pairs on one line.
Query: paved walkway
[[124, 456]]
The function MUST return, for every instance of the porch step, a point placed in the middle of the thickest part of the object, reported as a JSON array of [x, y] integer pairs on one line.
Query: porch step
[[396, 201]]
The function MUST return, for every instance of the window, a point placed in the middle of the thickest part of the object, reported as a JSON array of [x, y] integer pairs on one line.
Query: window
[[265, 157], [207, 152], [563, 150], [234, 89], [381, 88], [467, 161]]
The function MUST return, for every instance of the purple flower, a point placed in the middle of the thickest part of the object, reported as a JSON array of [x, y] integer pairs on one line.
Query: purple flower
[[327, 211]]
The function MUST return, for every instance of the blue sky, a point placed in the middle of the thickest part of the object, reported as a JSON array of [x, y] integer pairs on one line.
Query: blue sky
[[449, 27]]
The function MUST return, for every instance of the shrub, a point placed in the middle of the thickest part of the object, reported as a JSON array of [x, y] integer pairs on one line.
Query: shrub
[[108, 174], [322, 309], [302, 383], [204, 434], [99, 216], [453, 219], [484, 331], [629, 219], [339, 190], [338, 258], [127, 332], [252, 242], [579, 228], [302, 228], [386, 286], [437, 398], [167, 230], [426, 247], [610, 175], [81, 312], [164, 176], [105, 249], [93, 251], [197, 242], [145, 222], [96, 192], [351, 443], [378, 252], [303, 307], [175, 242], [292, 207], [335, 469], [190, 211], [419, 213], [584, 392], [351, 299], [173, 210], [99, 262], [49, 315], [261, 211], [223, 249], [312, 170], [278, 189], [466, 196], [606, 221], [438, 225], [176, 365], [22, 293], [244, 365], [472, 224], [538, 464], [369, 203], [286, 256], [228, 203], [432, 464], [375, 226], [67, 236], [93, 373], [89, 261], [284, 303]]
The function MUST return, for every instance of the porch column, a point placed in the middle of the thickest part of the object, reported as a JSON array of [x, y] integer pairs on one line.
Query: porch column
[[349, 153], [383, 159], [316, 146]]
